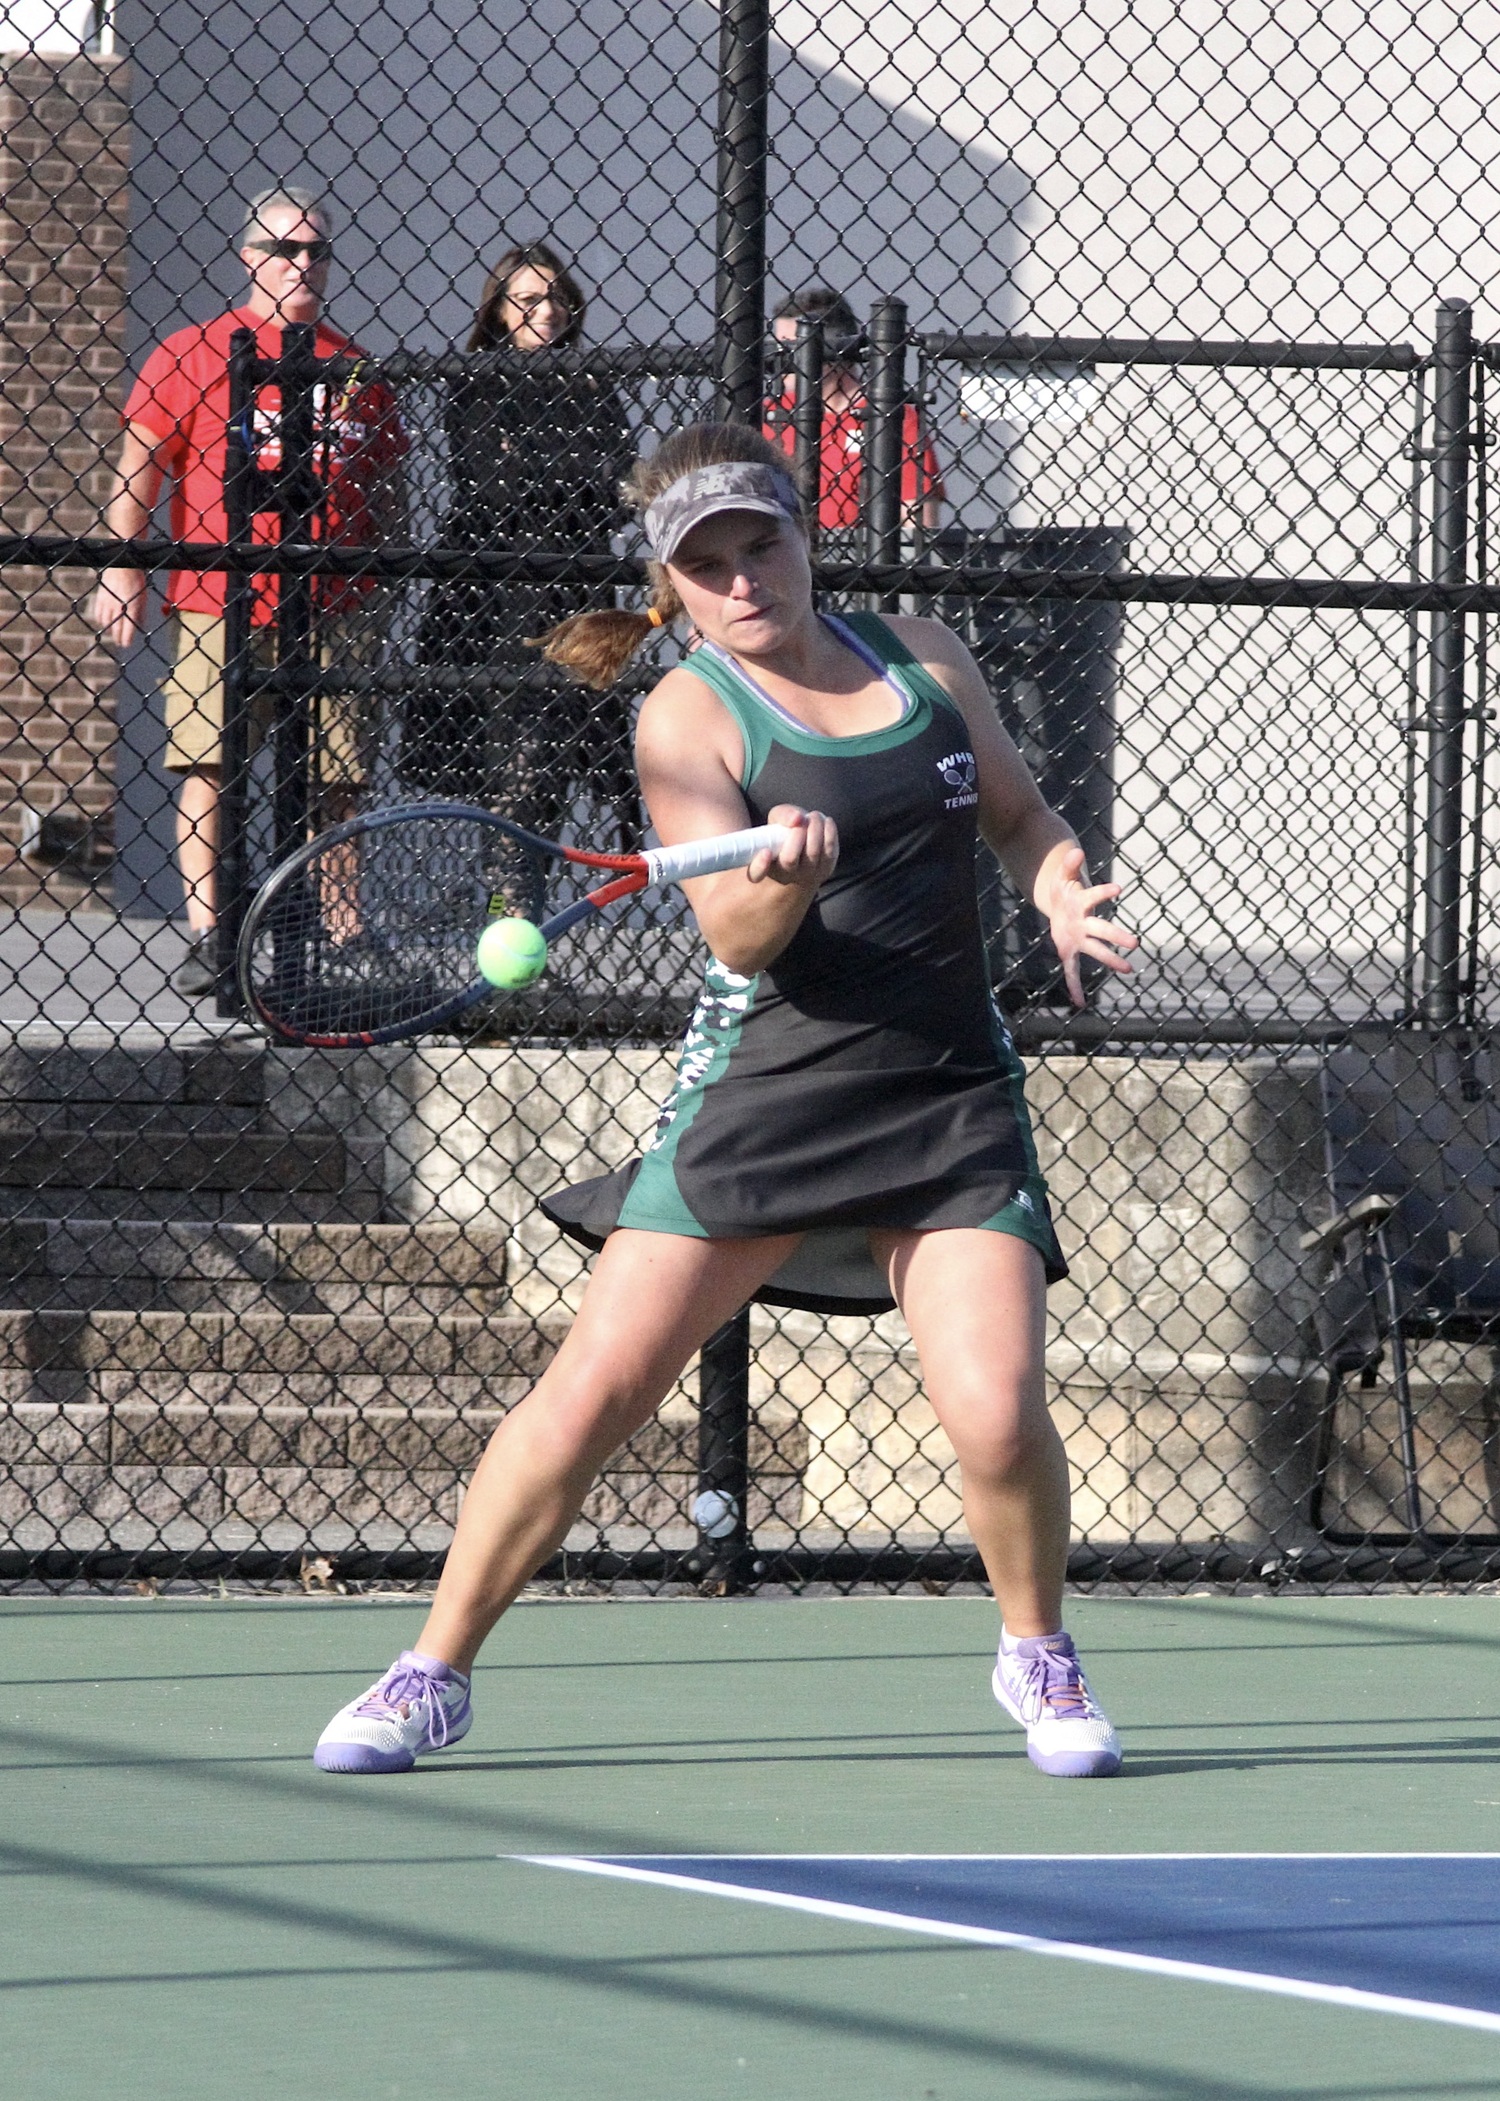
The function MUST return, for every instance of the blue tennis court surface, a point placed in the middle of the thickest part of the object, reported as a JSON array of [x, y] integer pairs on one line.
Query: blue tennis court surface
[[1403, 1933]]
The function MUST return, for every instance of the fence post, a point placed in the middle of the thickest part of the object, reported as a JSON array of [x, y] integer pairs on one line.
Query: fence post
[[885, 410], [1451, 446], [740, 281], [232, 872], [296, 667], [807, 418], [721, 1508]]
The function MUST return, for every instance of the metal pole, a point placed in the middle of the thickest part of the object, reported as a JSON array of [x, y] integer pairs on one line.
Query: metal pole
[[885, 418], [1477, 812], [1401, 1376], [1451, 446], [232, 869], [721, 1508], [300, 494], [1409, 729], [807, 417], [923, 396], [740, 284]]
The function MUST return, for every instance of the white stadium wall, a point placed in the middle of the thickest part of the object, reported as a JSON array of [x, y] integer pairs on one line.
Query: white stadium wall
[[1234, 169]]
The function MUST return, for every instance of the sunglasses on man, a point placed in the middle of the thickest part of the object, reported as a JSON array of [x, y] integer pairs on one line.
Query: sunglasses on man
[[292, 251]]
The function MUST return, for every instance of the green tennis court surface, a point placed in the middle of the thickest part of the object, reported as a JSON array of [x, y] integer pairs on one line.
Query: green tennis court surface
[[194, 1914]]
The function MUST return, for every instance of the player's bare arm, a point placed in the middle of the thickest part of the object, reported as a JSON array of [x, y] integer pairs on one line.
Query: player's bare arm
[[1036, 847], [688, 755]]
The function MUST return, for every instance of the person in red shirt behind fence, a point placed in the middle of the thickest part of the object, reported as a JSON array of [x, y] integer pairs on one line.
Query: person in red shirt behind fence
[[843, 440], [176, 431]]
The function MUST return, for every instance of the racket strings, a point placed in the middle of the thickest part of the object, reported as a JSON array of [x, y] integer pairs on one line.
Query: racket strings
[[384, 927], [369, 935]]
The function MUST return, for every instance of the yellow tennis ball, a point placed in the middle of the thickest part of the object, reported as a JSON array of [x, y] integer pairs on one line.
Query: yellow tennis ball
[[511, 953]]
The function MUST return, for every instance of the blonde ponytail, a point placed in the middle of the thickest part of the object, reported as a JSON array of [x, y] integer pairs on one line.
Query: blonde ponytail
[[596, 647]]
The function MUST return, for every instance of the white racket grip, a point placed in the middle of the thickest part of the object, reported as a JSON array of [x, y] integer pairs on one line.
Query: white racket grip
[[676, 864]]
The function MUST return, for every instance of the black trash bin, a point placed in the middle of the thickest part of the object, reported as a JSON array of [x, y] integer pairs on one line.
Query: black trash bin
[[1052, 665]]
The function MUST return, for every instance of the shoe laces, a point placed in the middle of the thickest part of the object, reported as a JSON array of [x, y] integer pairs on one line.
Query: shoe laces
[[1054, 1679], [405, 1686]]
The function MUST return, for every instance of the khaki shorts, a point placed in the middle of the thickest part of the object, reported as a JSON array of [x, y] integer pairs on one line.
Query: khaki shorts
[[193, 699]]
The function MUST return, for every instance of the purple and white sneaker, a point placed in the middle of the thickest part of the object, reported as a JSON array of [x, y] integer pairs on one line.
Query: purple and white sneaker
[[1040, 1681], [419, 1705]]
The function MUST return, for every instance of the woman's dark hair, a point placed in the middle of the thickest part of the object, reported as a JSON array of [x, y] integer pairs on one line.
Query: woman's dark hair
[[841, 330], [489, 331], [596, 647]]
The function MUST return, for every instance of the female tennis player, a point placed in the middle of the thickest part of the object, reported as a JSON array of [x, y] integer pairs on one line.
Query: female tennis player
[[847, 1129]]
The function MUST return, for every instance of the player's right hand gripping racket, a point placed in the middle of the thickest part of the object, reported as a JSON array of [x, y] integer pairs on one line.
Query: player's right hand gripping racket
[[369, 933]]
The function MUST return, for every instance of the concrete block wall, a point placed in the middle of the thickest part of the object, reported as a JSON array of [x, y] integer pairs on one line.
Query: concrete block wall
[[334, 1375], [64, 163], [1176, 1355]]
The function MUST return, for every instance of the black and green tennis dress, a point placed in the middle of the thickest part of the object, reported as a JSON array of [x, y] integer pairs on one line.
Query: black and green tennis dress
[[865, 1077]]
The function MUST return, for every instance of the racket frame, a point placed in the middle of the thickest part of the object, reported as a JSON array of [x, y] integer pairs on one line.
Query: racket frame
[[632, 872]]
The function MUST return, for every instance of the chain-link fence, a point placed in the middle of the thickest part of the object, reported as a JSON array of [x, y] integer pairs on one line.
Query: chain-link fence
[[1145, 346]]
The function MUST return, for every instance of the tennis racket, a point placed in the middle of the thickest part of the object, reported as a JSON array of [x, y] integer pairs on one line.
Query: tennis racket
[[368, 933]]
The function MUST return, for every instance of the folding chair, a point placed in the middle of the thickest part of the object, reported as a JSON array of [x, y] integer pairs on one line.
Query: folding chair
[[1412, 1155]]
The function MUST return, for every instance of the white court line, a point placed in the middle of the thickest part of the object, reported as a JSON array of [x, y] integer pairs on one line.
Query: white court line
[[1030, 1944], [1022, 1858]]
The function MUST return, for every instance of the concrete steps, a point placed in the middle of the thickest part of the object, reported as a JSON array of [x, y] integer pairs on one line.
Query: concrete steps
[[62, 1355], [160, 1130], [163, 1158], [137, 1469], [185, 1266], [214, 1336], [207, 1323]]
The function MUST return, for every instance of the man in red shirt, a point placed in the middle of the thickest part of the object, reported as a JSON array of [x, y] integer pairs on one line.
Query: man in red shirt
[[841, 459], [176, 431]]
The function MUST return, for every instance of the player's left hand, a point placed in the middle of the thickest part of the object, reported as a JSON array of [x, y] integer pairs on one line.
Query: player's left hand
[[1077, 929]]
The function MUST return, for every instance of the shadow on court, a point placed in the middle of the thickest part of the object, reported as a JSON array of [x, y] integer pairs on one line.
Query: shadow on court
[[187, 1874]]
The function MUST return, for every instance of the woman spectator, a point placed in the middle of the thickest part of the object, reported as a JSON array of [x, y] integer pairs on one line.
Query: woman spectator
[[535, 459]]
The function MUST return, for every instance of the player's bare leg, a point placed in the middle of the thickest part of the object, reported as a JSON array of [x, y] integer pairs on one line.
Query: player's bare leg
[[653, 1299], [975, 1304]]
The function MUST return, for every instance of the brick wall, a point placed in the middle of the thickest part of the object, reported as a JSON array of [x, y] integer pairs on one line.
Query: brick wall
[[64, 147]]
